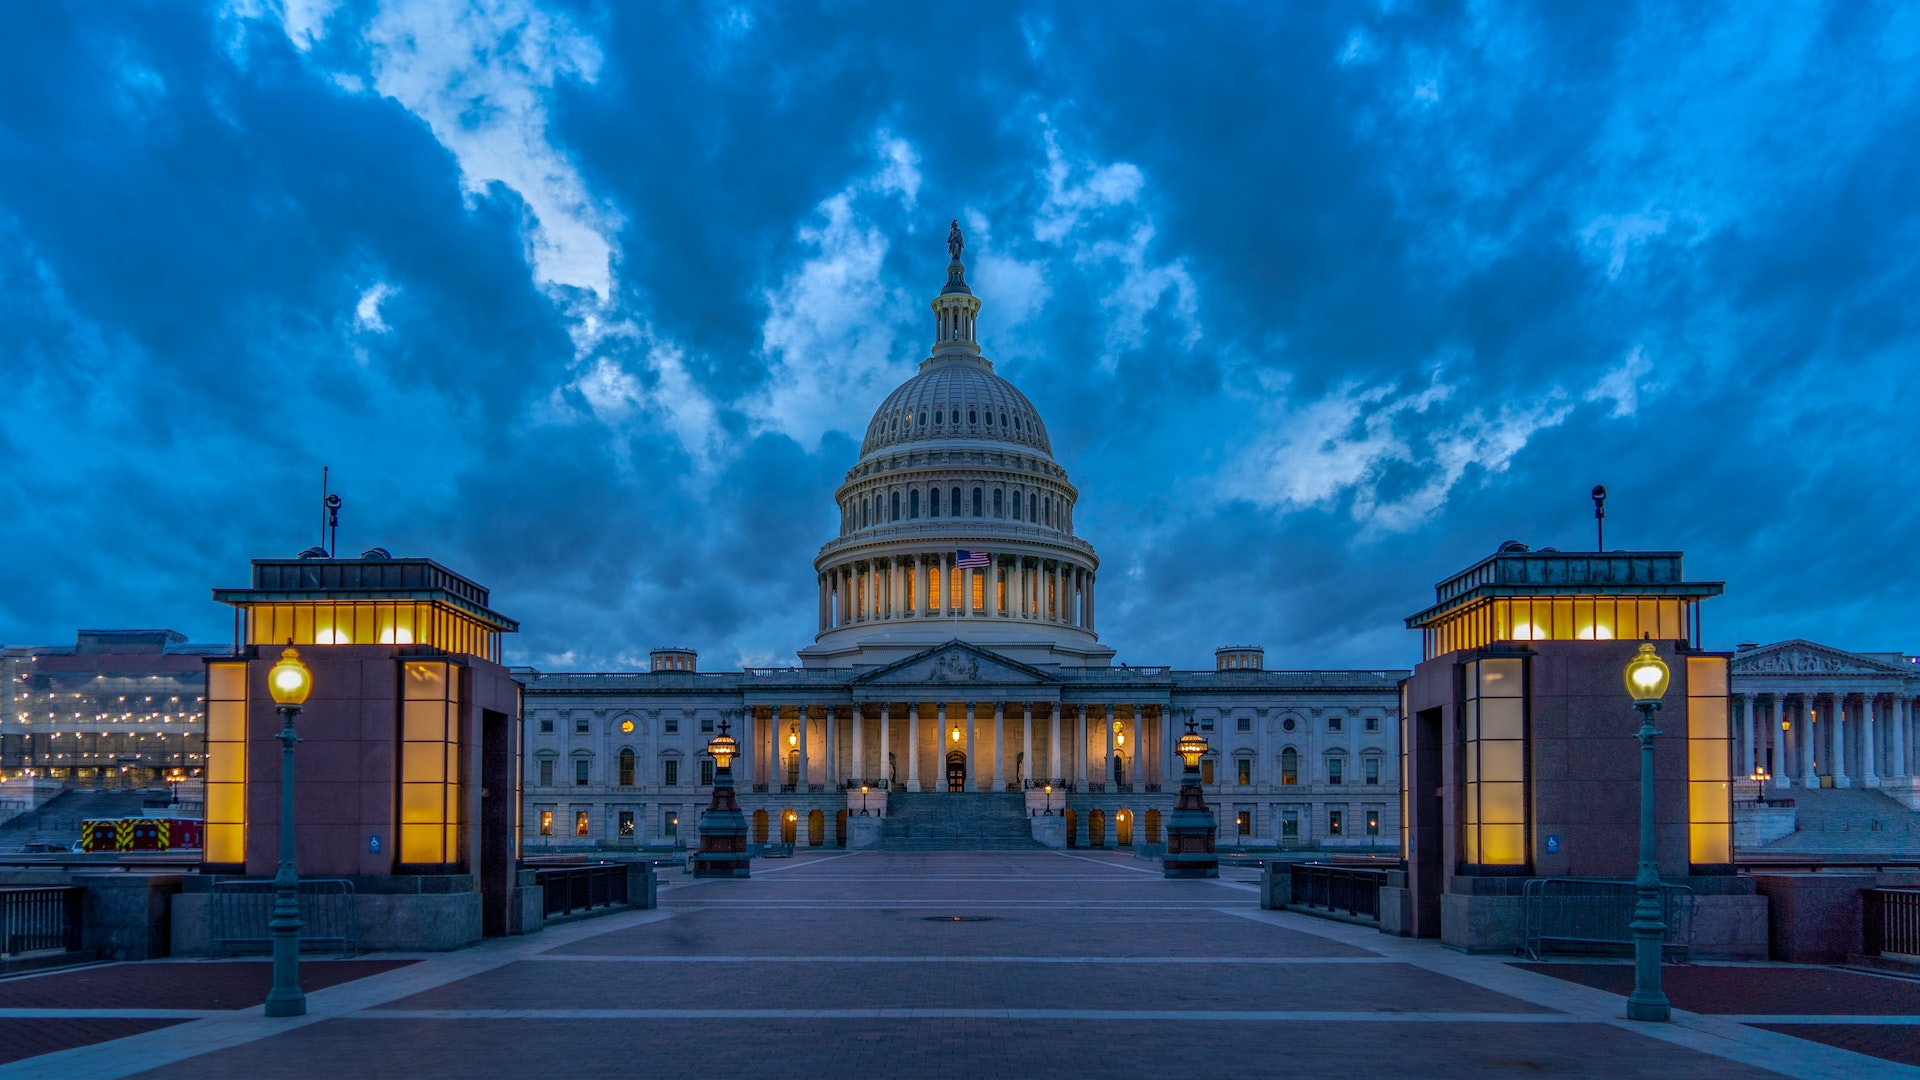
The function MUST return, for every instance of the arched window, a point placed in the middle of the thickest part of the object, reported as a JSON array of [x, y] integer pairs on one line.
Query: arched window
[[972, 417], [999, 509], [956, 502], [976, 502], [1289, 766], [1016, 506], [626, 768], [913, 503], [923, 418], [866, 511], [1033, 507], [896, 507], [1048, 507], [933, 503]]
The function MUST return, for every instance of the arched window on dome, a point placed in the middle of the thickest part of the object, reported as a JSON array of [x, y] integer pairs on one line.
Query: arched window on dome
[[956, 502], [1016, 506], [866, 512], [913, 504], [998, 509], [896, 507], [933, 503], [1048, 507], [976, 502], [923, 418], [1033, 508], [973, 417], [1003, 419]]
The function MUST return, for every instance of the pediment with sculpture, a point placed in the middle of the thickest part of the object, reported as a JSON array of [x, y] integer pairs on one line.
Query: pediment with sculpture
[[956, 662], [1800, 657]]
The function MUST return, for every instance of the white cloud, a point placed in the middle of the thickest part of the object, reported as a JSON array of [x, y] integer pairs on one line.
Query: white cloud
[[1143, 286], [1624, 384], [1615, 236], [366, 313], [1348, 441], [830, 329], [1067, 202], [479, 76]]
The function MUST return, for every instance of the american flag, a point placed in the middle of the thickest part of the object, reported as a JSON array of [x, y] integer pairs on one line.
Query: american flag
[[971, 559]]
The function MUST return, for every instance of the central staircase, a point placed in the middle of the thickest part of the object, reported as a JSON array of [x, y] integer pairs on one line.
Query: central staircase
[[956, 821], [1848, 821]]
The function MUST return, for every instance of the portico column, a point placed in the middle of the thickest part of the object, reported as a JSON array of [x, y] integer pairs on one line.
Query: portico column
[[1899, 748], [1782, 776], [1807, 702], [1026, 742], [804, 775], [886, 742], [1091, 593], [993, 587], [1106, 725], [1746, 714], [1867, 740], [1053, 747], [859, 770], [999, 743], [1080, 745], [1019, 585], [1837, 741], [973, 763], [913, 743]]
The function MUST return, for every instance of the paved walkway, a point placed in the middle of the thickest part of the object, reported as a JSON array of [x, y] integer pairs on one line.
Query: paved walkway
[[960, 964]]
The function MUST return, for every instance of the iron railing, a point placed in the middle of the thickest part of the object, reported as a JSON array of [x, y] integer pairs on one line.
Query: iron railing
[[1892, 922], [240, 911], [566, 890], [34, 920], [1339, 889], [1591, 915]]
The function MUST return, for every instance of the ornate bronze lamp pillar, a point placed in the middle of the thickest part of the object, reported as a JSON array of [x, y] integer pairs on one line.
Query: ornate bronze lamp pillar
[[1190, 826], [723, 828]]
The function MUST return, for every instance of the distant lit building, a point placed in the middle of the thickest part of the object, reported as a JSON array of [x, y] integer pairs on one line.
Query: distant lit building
[[118, 708]]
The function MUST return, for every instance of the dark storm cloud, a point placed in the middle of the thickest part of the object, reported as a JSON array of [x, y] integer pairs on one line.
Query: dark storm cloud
[[1319, 304]]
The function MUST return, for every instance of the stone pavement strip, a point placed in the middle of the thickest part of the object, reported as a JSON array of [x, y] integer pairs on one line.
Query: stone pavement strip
[[980, 964]]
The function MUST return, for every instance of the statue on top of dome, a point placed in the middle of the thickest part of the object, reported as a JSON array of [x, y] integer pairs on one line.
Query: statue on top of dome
[[955, 242]]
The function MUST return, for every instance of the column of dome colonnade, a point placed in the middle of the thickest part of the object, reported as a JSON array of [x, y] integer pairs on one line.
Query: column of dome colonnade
[[1825, 737], [899, 745], [956, 521]]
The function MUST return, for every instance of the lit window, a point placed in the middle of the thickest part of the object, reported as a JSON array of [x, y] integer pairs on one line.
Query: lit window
[[1243, 822], [1206, 770], [626, 823], [1333, 822], [1289, 766], [1373, 823], [626, 727], [546, 823], [580, 767], [580, 823], [1245, 776], [546, 772]]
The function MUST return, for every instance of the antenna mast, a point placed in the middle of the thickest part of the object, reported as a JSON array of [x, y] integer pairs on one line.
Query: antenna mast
[[1600, 517], [329, 516]]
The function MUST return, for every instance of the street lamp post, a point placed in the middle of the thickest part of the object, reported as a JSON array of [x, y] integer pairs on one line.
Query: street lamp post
[[289, 681], [1049, 791], [1646, 677], [863, 800], [1190, 851], [723, 828]]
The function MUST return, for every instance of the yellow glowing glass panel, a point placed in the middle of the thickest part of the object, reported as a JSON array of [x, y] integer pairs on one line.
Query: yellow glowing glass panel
[[1493, 725], [226, 792], [979, 590], [1709, 763], [430, 782], [369, 622]]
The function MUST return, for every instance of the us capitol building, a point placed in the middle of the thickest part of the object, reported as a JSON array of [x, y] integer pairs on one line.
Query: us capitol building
[[957, 687]]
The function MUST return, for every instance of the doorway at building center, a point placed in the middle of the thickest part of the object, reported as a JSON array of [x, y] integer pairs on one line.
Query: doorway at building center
[[956, 771]]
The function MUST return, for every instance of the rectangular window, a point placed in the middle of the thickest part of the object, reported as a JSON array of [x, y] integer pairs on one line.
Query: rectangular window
[[580, 767], [1244, 723], [1333, 822], [1290, 824], [1206, 723], [546, 772], [1373, 823], [1244, 770], [671, 774], [671, 725], [1333, 723], [1243, 823], [1372, 723], [626, 823], [1709, 790], [669, 823], [1206, 770], [706, 724], [226, 791], [581, 725], [1494, 762], [1333, 770], [546, 823], [706, 772], [979, 590], [429, 763], [546, 725], [1372, 767], [580, 823]]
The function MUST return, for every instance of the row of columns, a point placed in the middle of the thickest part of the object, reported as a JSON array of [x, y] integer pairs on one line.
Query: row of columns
[[1849, 735], [779, 738], [898, 586]]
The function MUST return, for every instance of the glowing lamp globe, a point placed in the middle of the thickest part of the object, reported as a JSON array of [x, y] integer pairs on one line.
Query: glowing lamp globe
[[1646, 676], [723, 748], [289, 680], [1191, 747]]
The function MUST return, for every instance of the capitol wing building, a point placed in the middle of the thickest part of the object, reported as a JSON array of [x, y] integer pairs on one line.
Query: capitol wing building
[[957, 688]]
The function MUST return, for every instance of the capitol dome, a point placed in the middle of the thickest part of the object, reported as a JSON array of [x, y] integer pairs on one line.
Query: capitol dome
[[956, 522]]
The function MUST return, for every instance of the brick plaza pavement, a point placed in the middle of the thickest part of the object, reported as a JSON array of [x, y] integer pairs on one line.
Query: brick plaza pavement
[[973, 964]]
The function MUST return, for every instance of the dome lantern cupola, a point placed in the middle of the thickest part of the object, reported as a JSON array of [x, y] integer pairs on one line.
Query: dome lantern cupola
[[956, 309]]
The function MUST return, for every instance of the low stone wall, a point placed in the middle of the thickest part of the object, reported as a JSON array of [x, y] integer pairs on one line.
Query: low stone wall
[[1754, 826], [428, 913]]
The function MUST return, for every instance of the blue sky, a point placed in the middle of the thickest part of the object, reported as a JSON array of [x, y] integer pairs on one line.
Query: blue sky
[[1320, 302]]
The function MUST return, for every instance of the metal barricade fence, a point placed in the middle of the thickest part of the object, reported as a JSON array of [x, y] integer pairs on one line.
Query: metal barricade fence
[[1891, 922], [1593, 915], [565, 890], [240, 911], [1347, 890], [39, 919]]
